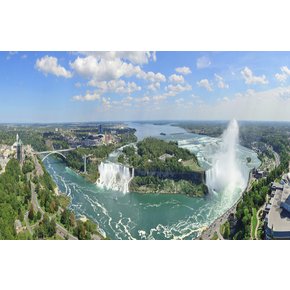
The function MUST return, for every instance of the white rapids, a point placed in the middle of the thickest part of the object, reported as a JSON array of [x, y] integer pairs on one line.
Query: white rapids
[[114, 176]]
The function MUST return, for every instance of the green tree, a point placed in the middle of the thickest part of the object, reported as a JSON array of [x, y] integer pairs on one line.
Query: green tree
[[31, 213]]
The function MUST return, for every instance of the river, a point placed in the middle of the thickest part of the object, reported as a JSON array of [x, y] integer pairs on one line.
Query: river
[[150, 216]]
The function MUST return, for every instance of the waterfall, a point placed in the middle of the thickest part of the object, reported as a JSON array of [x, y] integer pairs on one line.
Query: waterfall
[[114, 176], [226, 174]]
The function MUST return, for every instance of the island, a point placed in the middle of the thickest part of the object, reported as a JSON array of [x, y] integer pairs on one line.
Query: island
[[163, 167]]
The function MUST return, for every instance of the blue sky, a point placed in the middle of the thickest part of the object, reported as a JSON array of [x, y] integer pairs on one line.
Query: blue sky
[[101, 86]]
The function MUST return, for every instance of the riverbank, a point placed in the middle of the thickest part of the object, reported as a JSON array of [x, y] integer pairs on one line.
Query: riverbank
[[214, 227], [67, 223]]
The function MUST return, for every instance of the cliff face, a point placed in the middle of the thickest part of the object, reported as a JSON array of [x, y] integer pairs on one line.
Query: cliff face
[[194, 177]]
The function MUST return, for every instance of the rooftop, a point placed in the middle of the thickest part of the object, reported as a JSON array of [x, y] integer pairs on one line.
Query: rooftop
[[285, 194], [165, 156], [278, 218]]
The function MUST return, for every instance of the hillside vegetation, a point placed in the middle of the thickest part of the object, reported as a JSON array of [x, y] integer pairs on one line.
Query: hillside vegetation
[[152, 157], [157, 155]]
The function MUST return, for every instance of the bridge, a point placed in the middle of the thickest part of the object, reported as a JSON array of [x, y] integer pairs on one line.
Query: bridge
[[59, 152]]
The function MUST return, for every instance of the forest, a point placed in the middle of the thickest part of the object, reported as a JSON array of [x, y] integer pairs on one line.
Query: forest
[[157, 155], [14, 198]]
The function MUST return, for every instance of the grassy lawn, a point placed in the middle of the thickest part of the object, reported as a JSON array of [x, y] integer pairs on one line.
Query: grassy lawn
[[215, 236], [254, 222], [192, 165], [222, 229]]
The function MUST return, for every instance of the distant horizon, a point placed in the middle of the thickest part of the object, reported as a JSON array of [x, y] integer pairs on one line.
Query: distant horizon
[[139, 121]]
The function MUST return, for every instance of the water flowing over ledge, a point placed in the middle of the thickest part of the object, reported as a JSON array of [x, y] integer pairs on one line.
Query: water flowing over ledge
[[114, 176], [151, 216]]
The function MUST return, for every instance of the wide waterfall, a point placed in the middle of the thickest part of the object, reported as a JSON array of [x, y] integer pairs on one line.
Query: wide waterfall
[[226, 175], [114, 176]]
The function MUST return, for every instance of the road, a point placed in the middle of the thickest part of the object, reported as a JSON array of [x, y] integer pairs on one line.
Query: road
[[60, 150], [64, 233], [277, 158], [28, 224]]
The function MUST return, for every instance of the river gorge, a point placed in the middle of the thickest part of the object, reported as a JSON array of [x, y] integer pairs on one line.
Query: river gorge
[[128, 215]]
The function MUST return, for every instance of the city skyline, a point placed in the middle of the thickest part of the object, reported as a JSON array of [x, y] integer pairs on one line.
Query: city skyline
[[123, 86]]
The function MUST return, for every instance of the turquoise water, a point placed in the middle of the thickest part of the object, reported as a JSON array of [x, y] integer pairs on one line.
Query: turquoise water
[[150, 216]]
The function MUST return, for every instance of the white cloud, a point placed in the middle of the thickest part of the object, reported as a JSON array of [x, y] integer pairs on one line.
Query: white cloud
[[78, 84], [183, 70], [178, 79], [273, 104], [10, 54], [49, 65], [87, 97], [203, 62], [159, 98], [136, 57], [173, 90], [285, 70], [154, 86], [115, 86], [281, 77], [106, 66], [284, 75], [106, 102], [144, 99], [127, 101], [250, 78], [151, 76], [220, 82], [102, 69], [204, 83]]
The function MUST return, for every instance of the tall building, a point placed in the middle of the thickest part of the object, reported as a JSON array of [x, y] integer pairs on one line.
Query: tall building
[[100, 129], [18, 146]]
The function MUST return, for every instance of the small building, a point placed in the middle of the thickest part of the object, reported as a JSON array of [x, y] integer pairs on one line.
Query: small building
[[266, 210], [101, 129], [276, 185], [165, 156], [259, 173], [273, 192]]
